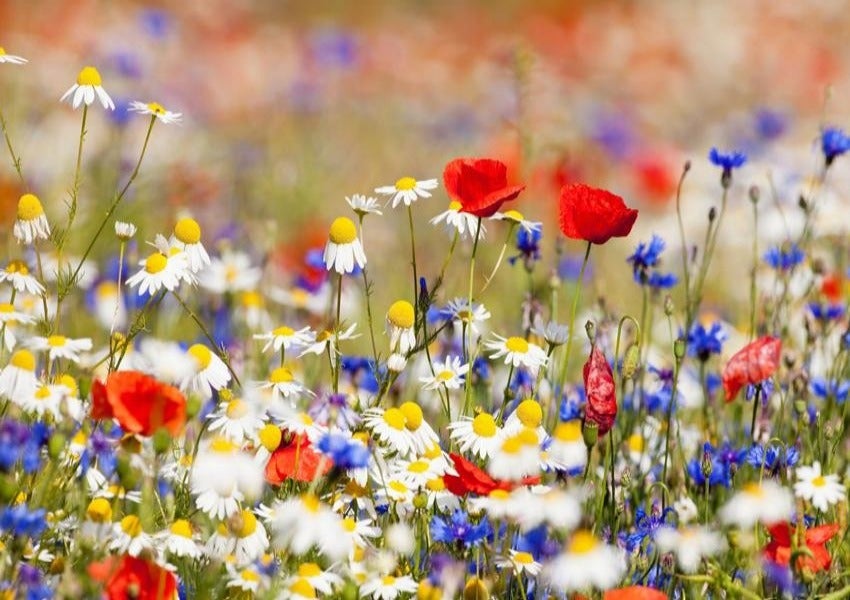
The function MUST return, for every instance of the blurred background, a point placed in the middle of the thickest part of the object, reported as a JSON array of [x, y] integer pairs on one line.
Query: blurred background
[[291, 106]]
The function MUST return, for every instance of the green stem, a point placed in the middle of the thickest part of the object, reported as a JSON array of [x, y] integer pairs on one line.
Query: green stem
[[571, 332], [413, 262], [338, 357], [209, 337], [16, 160]]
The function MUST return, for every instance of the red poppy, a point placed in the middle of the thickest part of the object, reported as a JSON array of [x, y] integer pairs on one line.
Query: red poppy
[[296, 460], [779, 548], [594, 215], [601, 395], [472, 480], [755, 362], [831, 287], [634, 592], [134, 578], [140, 403], [479, 184]]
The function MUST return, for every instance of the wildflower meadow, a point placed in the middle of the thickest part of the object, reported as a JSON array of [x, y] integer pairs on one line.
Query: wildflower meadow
[[485, 374]]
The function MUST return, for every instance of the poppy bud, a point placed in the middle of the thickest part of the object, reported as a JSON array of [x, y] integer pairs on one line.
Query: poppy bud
[[679, 348], [601, 394], [590, 330], [590, 433], [630, 363]]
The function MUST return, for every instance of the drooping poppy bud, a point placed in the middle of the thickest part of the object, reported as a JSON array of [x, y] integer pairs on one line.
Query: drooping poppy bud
[[755, 362], [601, 395]]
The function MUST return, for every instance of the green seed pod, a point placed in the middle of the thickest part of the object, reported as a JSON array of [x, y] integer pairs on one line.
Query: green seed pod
[[590, 433], [630, 362]]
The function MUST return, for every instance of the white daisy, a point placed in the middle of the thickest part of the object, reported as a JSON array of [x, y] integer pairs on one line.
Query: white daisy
[[247, 580], [558, 508], [361, 531], [363, 205], [327, 338], [585, 563], [11, 58], [251, 538], [179, 540], [31, 224], [130, 538], [518, 352], [187, 237], [323, 581], [302, 424], [400, 326], [59, 346], [527, 414], [514, 216], [521, 563], [210, 373], [44, 400], [479, 436], [237, 419], [303, 522], [17, 273], [767, 503], [567, 447], [389, 427], [223, 476], [17, 378], [516, 457], [407, 190], [464, 223], [283, 383], [125, 231], [388, 587], [286, 338], [88, 85], [821, 490], [449, 374], [157, 110], [161, 270], [689, 544], [230, 272], [9, 317], [343, 249], [458, 310], [252, 311]]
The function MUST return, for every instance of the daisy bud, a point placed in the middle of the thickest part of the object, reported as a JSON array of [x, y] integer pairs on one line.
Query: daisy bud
[[350, 591], [193, 405], [800, 407], [396, 363], [131, 444], [124, 231]]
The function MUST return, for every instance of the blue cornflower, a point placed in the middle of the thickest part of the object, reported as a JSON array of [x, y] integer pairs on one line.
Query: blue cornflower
[[457, 529], [721, 462], [703, 342], [646, 524], [662, 281], [769, 124], [334, 408], [823, 388], [833, 142], [528, 244], [772, 459], [569, 268], [481, 369], [523, 381], [767, 388], [785, 257], [645, 260], [362, 372], [727, 161], [826, 312], [346, 453], [22, 522], [571, 405]]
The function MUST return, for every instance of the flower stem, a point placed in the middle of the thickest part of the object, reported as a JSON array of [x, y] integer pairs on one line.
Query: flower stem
[[570, 333], [209, 337], [16, 160]]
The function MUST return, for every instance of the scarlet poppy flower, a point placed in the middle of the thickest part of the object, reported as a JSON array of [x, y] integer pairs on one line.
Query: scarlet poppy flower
[[779, 548], [140, 403], [296, 460], [472, 480], [134, 578], [594, 215], [479, 184], [634, 592], [601, 395], [755, 362]]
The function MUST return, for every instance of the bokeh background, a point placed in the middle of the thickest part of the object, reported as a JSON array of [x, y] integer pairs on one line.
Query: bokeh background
[[291, 106]]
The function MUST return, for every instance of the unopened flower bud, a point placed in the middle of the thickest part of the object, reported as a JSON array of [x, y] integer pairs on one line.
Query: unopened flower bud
[[679, 348], [755, 194], [668, 305], [590, 433], [706, 465], [55, 445], [475, 589], [712, 214], [590, 329], [630, 362]]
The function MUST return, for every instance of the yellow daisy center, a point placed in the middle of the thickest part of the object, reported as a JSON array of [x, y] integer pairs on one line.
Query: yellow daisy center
[[250, 575], [394, 418], [305, 419], [201, 354], [281, 375], [405, 184], [819, 481], [2, 51], [583, 542], [523, 558], [388, 580], [342, 231], [455, 205], [516, 344], [412, 414], [5, 307], [155, 263], [99, 510], [56, 341], [530, 413], [182, 528], [283, 331], [417, 466], [249, 524], [302, 587], [528, 436], [499, 494], [484, 425], [513, 215], [131, 525], [251, 299], [397, 486], [156, 108], [23, 359], [236, 409], [436, 485], [42, 393], [69, 382], [401, 314], [569, 431], [512, 445], [445, 375], [309, 570], [270, 437], [636, 442], [187, 230], [349, 524], [222, 445], [433, 452], [753, 489], [106, 290], [89, 76], [310, 502], [29, 208], [18, 266]]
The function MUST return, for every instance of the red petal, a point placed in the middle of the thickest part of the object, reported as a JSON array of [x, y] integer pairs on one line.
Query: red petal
[[594, 215], [755, 362], [822, 534], [634, 592], [780, 533], [479, 184], [470, 479], [601, 396], [296, 460]]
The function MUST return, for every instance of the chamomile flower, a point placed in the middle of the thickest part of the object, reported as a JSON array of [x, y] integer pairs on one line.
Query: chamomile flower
[[179, 540], [251, 538], [286, 338], [328, 339], [480, 436], [416, 473], [31, 224], [130, 538], [17, 273], [689, 544], [407, 190], [282, 382], [161, 270], [518, 352], [88, 85], [125, 231], [567, 447], [157, 110], [9, 317], [766, 502], [424, 437], [222, 477], [516, 456], [323, 581], [516, 217], [821, 490], [302, 424], [11, 58], [298, 588], [363, 205], [400, 326], [45, 401], [556, 507], [361, 531], [230, 272], [343, 249], [210, 373], [59, 346], [464, 223], [247, 580], [17, 379], [527, 415], [585, 563], [187, 237], [449, 374], [304, 522], [521, 563], [237, 419], [98, 524], [388, 587], [389, 427], [458, 310]]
